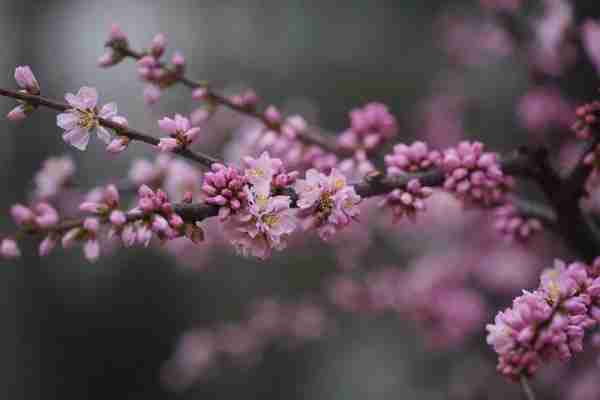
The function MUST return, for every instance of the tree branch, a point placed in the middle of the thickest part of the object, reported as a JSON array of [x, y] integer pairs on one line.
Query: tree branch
[[307, 137], [121, 130]]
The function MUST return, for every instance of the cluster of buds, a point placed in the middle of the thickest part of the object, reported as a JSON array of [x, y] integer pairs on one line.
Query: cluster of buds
[[588, 120], [181, 133], [88, 233], [37, 218], [247, 99], [28, 84], [105, 203], [405, 160], [224, 187], [473, 174], [514, 225], [408, 201], [153, 71], [410, 159], [159, 218], [548, 323], [370, 127], [115, 45]]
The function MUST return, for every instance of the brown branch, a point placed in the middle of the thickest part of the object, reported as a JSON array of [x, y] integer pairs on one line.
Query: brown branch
[[307, 137], [121, 130]]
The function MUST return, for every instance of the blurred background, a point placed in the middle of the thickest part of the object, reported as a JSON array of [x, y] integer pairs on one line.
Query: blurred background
[[97, 331]]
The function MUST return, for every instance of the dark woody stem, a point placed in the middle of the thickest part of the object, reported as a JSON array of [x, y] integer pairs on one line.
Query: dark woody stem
[[121, 130]]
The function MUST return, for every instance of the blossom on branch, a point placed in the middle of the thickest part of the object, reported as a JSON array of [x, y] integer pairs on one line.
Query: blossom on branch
[[83, 118], [327, 203], [29, 84]]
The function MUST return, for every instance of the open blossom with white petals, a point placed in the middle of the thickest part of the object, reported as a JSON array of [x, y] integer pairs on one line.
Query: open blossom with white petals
[[83, 118], [265, 225], [326, 203]]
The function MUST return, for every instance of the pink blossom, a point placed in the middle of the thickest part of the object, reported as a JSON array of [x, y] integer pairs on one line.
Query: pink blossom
[[26, 80], [118, 144], [56, 172], [84, 118], [152, 94], [548, 323], [224, 187], [513, 225], [590, 31], [370, 126], [181, 133], [474, 174], [409, 159], [407, 202], [9, 249], [48, 244], [18, 113], [264, 225], [117, 40], [326, 203], [543, 108], [144, 172], [41, 216]]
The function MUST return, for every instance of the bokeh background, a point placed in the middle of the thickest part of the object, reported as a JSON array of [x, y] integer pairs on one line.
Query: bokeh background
[[102, 331]]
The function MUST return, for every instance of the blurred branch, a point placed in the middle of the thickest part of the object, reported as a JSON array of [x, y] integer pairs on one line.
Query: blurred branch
[[308, 137]]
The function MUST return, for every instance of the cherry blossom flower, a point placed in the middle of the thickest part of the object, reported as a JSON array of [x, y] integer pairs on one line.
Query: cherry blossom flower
[[326, 203], [84, 118], [117, 40], [513, 225], [224, 187], [181, 133], [407, 202], [264, 225]]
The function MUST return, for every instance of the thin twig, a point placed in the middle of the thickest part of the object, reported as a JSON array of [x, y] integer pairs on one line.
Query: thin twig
[[307, 137], [121, 130], [527, 390]]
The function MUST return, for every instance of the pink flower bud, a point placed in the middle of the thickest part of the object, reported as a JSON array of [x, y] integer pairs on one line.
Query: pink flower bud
[[17, 114], [26, 80], [9, 249], [168, 144], [118, 144], [21, 214], [117, 218], [159, 42], [47, 245], [91, 250]]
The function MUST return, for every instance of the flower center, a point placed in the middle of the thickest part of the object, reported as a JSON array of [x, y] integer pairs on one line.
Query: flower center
[[87, 119], [270, 219]]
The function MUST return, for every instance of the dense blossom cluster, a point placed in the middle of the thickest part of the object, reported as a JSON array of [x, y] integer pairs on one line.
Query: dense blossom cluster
[[550, 322], [512, 224], [474, 174]]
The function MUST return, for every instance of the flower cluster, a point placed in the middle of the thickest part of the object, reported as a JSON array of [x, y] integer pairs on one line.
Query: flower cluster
[[474, 174], [548, 323], [84, 118], [513, 225], [408, 201], [326, 202], [224, 187], [152, 70], [157, 217], [588, 120], [370, 127], [27, 82]]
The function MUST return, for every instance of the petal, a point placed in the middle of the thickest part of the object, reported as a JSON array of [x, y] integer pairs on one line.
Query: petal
[[77, 137], [88, 96], [67, 121], [103, 134], [108, 110], [74, 101]]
